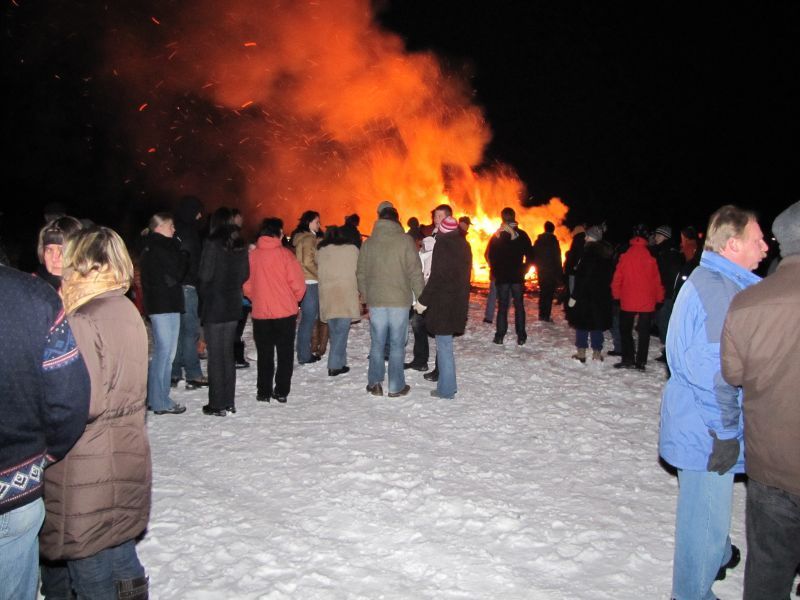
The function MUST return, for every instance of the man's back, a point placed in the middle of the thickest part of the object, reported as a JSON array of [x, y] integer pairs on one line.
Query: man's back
[[508, 256], [389, 269], [760, 349], [547, 255]]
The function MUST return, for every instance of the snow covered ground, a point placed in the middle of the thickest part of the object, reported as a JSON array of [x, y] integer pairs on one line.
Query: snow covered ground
[[541, 480]]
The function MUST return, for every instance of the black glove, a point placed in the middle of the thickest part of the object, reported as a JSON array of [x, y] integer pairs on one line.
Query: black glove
[[724, 454]]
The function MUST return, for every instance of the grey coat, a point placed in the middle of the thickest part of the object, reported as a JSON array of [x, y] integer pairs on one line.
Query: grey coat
[[389, 270]]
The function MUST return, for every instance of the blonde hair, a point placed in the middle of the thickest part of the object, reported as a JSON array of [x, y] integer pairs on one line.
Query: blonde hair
[[56, 232], [157, 220], [98, 249], [726, 223]]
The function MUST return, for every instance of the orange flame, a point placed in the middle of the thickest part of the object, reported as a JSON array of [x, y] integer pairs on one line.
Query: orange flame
[[331, 114]]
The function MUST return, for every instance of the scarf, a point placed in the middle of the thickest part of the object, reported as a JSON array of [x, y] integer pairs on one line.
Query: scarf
[[77, 290]]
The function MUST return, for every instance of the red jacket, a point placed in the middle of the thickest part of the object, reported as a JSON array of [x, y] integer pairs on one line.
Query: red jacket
[[276, 282], [636, 283]]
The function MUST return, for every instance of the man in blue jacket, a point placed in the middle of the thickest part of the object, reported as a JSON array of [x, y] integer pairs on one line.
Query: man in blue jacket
[[701, 418], [44, 400]]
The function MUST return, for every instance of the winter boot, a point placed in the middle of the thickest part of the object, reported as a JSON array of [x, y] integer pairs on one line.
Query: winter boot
[[597, 355], [132, 589], [315, 339], [580, 355], [322, 342]]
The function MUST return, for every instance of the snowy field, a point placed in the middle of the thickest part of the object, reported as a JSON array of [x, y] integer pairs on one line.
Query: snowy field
[[541, 480]]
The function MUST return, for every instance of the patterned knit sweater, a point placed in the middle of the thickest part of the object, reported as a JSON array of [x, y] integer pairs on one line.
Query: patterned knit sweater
[[44, 386]]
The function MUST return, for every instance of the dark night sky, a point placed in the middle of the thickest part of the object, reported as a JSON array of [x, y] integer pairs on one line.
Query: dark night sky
[[658, 112], [652, 111]]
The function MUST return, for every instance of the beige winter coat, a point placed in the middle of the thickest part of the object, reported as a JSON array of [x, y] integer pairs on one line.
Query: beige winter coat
[[338, 288], [98, 496]]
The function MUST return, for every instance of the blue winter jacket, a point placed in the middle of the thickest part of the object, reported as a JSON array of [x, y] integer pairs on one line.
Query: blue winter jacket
[[697, 401]]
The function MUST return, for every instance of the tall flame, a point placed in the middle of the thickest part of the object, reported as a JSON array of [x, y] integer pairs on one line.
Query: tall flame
[[280, 107]]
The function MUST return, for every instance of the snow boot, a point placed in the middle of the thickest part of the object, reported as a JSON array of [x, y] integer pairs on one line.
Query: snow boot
[[580, 355], [319, 338], [597, 355], [736, 556]]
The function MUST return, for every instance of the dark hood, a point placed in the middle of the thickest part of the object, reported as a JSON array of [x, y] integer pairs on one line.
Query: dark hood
[[187, 209]]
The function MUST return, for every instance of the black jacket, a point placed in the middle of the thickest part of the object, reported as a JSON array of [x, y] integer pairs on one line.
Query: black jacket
[[574, 254], [509, 259], [447, 292], [669, 262], [592, 292], [186, 230], [163, 267], [221, 276], [547, 257], [352, 233], [48, 277]]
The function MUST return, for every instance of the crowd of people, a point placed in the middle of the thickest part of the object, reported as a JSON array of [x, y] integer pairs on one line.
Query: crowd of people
[[84, 374]]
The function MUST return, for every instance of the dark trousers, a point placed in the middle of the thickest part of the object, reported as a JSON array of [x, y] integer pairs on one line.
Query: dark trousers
[[238, 347], [773, 542], [505, 293], [642, 331], [421, 345], [662, 319], [547, 289], [271, 335], [220, 338]]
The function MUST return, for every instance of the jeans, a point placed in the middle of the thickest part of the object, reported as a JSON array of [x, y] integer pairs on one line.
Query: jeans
[[274, 336], [387, 323], [220, 339], [421, 345], [547, 289], [338, 329], [19, 551], [96, 576], [186, 358], [164, 327], [491, 302], [642, 331], [582, 338], [702, 523], [309, 312], [506, 292], [773, 541], [446, 363]]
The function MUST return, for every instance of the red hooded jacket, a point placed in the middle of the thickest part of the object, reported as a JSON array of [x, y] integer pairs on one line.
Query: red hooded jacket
[[636, 283], [276, 281]]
